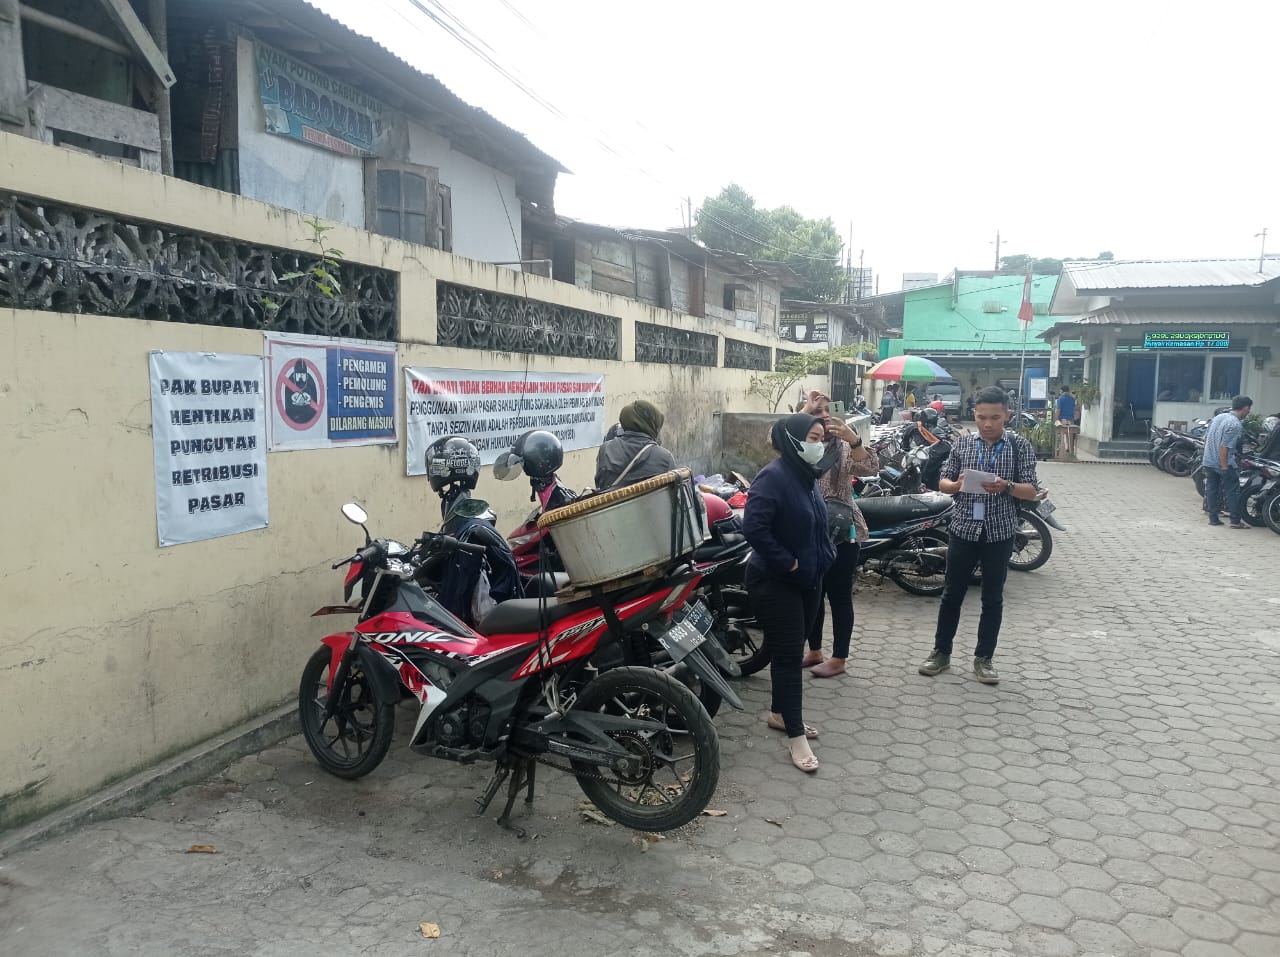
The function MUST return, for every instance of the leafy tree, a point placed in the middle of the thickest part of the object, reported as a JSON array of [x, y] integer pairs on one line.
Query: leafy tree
[[773, 387], [1019, 262], [811, 247], [731, 221], [1046, 265]]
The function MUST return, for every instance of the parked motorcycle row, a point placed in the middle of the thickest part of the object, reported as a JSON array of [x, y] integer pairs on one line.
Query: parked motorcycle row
[[615, 682], [1181, 453]]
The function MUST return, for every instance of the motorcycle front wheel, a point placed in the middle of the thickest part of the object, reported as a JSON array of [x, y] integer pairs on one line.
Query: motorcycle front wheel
[[1180, 463], [355, 740], [679, 760], [1271, 512], [1251, 508]]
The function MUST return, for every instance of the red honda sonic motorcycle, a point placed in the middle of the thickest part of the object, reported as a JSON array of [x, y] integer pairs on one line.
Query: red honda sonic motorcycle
[[519, 691]]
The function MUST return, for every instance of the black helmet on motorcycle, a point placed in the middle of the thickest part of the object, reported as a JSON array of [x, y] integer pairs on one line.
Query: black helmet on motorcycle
[[928, 418], [452, 460], [541, 453]]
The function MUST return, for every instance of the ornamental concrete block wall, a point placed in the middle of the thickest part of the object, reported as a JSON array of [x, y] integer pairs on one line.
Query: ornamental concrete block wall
[[116, 653]]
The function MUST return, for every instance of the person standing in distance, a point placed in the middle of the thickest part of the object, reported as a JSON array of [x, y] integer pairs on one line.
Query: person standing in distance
[[786, 523], [1220, 475], [982, 529]]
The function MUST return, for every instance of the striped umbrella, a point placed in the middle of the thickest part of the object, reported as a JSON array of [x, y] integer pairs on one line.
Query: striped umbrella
[[907, 369]]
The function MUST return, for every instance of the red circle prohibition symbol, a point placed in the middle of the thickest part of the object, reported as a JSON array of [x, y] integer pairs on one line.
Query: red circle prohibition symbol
[[300, 394]]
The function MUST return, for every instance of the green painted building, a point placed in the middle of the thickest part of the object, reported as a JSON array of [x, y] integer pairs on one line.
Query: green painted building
[[969, 325]]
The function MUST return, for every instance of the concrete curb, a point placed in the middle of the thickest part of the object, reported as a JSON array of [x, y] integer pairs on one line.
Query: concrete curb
[[141, 789]]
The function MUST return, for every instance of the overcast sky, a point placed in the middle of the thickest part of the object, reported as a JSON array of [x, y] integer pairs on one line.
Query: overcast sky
[[1146, 128]]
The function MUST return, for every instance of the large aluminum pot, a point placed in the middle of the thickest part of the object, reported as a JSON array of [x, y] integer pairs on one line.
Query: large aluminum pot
[[626, 530]]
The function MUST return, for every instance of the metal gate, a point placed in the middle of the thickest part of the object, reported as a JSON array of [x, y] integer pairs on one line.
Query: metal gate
[[844, 382]]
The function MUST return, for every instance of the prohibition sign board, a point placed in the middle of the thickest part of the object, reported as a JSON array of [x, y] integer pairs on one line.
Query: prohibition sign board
[[300, 394]]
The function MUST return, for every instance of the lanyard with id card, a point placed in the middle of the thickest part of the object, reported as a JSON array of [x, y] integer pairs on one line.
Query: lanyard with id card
[[980, 506]]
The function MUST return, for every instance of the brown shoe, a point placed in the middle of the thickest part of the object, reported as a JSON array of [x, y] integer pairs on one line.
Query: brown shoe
[[812, 658], [828, 669]]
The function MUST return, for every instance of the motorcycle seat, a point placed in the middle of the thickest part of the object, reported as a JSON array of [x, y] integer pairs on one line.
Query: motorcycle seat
[[523, 615], [730, 544], [890, 510]]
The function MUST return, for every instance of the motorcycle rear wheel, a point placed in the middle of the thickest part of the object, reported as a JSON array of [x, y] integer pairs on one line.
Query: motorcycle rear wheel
[[680, 763], [929, 576], [355, 740], [1032, 545]]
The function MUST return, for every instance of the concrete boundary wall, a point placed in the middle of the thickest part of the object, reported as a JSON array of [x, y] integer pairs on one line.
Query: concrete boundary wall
[[116, 653]]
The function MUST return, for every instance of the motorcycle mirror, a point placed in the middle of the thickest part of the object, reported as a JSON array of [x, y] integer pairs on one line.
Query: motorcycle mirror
[[357, 516], [508, 466]]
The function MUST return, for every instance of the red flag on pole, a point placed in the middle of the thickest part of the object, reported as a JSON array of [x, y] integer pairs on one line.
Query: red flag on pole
[[1025, 312]]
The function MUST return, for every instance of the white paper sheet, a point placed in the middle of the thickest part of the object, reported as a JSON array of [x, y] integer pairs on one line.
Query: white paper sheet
[[972, 481]]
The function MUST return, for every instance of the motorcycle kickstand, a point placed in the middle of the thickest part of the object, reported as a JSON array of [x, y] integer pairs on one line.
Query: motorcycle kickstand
[[491, 789], [523, 778]]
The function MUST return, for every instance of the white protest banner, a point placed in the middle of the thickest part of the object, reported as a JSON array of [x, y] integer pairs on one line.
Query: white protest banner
[[492, 409], [328, 392], [208, 423]]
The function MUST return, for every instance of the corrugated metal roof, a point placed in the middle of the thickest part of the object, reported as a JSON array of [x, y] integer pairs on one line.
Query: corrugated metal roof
[[1167, 316], [377, 65], [1170, 274], [1180, 316]]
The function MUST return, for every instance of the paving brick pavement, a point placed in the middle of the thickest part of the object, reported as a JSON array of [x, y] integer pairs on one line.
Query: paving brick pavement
[[1116, 794]]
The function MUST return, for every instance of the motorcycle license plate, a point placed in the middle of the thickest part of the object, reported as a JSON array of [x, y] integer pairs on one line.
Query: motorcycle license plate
[[697, 615], [681, 640]]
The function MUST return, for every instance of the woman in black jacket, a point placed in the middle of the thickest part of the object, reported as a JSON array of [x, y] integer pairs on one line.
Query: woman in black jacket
[[786, 523]]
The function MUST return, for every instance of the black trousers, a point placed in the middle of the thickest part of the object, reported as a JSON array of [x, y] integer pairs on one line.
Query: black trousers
[[963, 556], [786, 614], [837, 588]]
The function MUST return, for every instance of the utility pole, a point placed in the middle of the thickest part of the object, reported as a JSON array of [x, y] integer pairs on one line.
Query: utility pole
[[848, 265], [1262, 253], [997, 250], [689, 203], [861, 271]]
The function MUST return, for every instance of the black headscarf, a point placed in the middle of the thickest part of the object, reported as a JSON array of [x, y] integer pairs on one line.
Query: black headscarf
[[641, 416], [788, 434]]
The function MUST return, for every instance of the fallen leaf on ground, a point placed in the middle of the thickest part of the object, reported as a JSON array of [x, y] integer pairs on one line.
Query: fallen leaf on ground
[[202, 849], [770, 820], [593, 815], [710, 812], [650, 838], [429, 930]]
